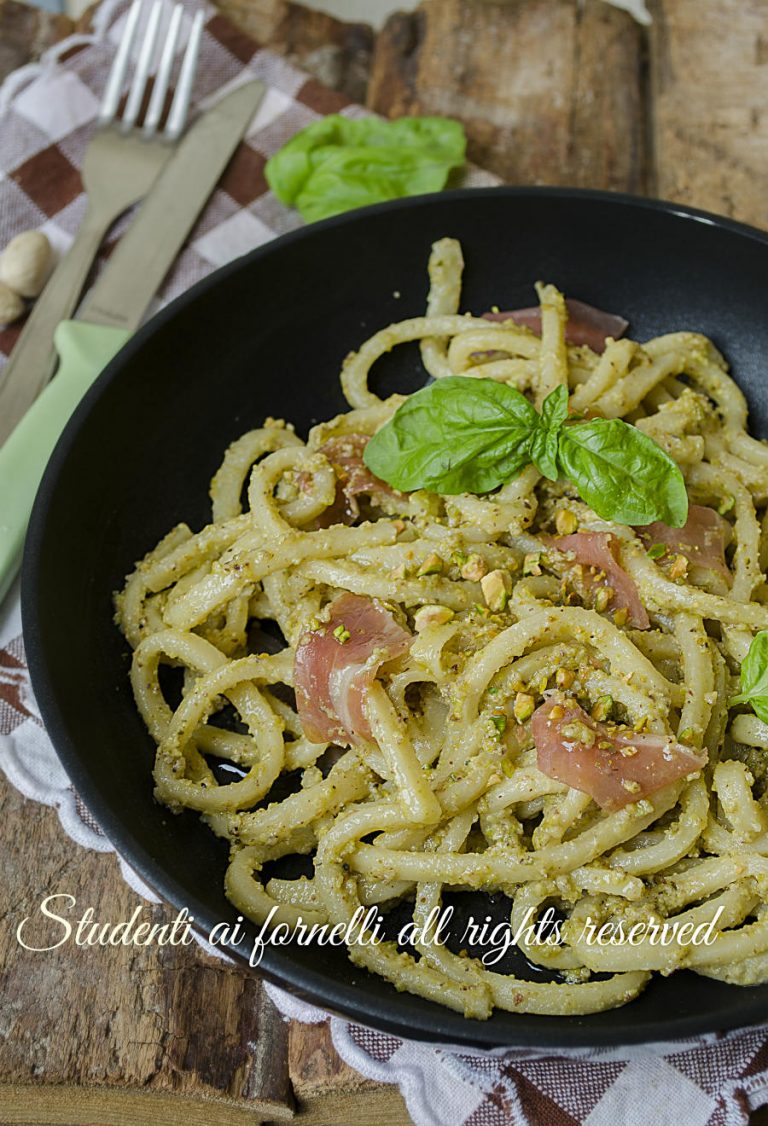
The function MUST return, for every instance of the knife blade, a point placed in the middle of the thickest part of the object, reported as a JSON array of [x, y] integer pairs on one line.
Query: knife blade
[[141, 260], [115, 306]]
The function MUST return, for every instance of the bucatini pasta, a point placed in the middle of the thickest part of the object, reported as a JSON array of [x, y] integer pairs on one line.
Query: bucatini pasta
[[500, 692]]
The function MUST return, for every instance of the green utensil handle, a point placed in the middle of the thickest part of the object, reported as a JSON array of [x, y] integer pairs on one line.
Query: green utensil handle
[[85, 350]]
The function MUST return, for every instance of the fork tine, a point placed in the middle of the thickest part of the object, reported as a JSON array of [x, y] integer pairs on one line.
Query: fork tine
[[163, 77], [114, 87], [143, 65], [177, 118]]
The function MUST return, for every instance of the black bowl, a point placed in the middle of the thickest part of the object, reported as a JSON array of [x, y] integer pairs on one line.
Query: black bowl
[[266, 336]]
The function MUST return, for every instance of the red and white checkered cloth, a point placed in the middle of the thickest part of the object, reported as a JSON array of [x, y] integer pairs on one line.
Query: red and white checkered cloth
[[47, 114]]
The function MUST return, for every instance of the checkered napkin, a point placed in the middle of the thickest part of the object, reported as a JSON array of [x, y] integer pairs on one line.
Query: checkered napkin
[[47, 114]]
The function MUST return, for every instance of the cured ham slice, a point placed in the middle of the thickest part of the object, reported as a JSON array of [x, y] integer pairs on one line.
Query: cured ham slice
[[598, 552], [345, 454], [702, 539], [337, 663], [611, 764], [586, 324]]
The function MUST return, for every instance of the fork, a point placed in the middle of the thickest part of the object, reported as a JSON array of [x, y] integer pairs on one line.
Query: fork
[[121, 163]]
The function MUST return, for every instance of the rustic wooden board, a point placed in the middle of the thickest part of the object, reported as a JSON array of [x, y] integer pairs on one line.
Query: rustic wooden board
[[127, 1036], [314, 1069], [336, 53], [25, 32], [709, 85], [153, 1021], [550, 91]]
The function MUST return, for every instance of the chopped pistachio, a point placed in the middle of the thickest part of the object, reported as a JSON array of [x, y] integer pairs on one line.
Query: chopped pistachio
[[342, 634], [557, 712], [474, 568], [432, 565], [566, 522], [564, 678], [657, 550], [726, 504], [531, 564], [497, 586], [679, 568], [523, 706], [578, 732], [499, 722], [686, 736], [427, 616], [603, 597], [621, 616], [602, 708], [641, 724], [507, 768], [630, 786]]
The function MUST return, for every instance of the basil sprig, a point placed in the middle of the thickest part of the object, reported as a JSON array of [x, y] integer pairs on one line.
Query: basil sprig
[[622, 474], [463, 435], [338, 163], [545, 437], [754, 677]]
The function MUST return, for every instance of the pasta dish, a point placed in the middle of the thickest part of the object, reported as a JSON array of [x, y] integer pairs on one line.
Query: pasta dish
[[526, 656]]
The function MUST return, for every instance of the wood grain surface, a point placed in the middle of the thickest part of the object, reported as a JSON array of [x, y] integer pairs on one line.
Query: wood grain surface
[[158, 1020], [26, 32], [550, 91], [709, 99], [336, 53]]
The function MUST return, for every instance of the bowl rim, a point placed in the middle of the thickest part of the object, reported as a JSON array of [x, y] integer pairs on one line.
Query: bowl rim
[[441, 1025]]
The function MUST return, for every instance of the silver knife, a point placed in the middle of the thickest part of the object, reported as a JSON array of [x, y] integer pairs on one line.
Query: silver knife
[[143, 256], [115, 306]]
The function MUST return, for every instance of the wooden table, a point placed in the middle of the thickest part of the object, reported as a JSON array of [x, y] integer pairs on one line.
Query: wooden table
[[551, 92]]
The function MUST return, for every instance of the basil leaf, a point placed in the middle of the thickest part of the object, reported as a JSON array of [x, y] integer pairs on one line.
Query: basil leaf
[[458, 435], [339, 163], [471, 435], [622, 474], [754, 677], [544, 444]]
